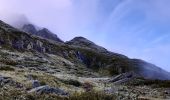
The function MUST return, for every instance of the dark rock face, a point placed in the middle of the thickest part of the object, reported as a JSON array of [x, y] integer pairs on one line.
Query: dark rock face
[[49, 35], [45, 33], [82, 58], [18, 44], [29, 28]]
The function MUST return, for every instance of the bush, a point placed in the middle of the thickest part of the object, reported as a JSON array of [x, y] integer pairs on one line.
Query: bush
[[87, 86], [7, 68], [72, 82], [8, 62], [42, 83]]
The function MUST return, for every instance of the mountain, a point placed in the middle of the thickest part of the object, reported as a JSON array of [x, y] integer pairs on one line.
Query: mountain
[[80, 50], [30, 63], [45, 33]]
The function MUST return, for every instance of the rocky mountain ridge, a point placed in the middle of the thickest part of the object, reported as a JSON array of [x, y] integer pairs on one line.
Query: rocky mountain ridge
[[45, 33], [82, 51]]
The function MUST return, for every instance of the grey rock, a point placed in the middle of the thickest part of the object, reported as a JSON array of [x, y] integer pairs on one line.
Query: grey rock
[[35, 83], [51, 71], [5, 80], [122, 81], [30, 46], [47, 90], [122, 78]]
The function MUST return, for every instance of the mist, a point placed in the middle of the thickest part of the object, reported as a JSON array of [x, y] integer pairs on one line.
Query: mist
[[136, 28]]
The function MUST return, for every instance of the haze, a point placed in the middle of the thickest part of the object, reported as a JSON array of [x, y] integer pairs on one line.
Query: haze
[[136, 28]]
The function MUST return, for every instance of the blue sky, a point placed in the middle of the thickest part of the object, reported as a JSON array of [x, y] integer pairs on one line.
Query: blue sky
[[136, 28]]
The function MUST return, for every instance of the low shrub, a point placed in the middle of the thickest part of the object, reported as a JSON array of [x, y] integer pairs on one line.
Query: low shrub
[[8, 62], [72, 82], [7, 68]]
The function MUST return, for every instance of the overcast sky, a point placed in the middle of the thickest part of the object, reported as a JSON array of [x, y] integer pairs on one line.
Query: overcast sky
[[136, 28]]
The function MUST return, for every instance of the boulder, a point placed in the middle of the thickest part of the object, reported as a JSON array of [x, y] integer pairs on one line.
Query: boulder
[[122, 78], [47, 90], [29, 46], [5, 80], [35, 83]]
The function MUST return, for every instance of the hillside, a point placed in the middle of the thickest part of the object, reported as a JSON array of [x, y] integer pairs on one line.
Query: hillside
[[33, 63]]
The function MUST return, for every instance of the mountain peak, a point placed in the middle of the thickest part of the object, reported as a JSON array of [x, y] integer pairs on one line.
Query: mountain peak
[[45, 33], [30, 28], [83, 42], [80, 38]]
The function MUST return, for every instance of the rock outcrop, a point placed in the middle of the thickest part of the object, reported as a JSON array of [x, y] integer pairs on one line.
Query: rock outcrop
[[123, 78]]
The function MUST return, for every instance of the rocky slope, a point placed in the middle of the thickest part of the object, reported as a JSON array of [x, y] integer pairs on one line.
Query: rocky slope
[[30, 63]]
